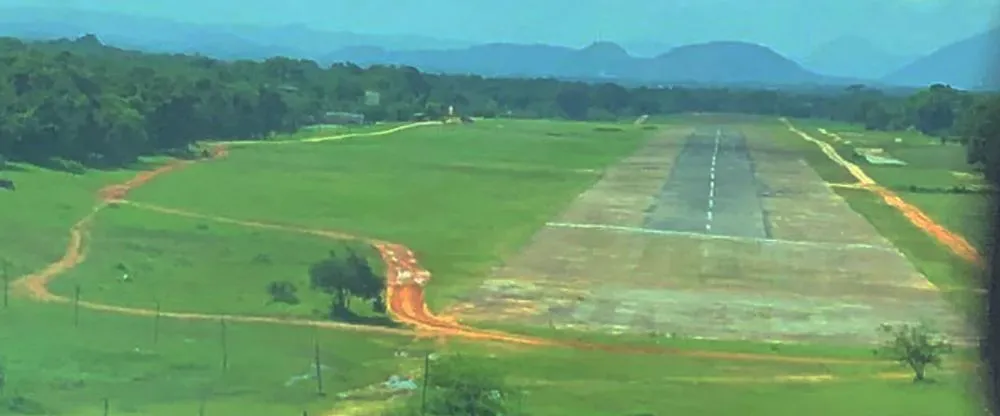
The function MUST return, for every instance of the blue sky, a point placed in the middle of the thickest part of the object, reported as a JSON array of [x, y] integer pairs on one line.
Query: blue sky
[[791, 26]]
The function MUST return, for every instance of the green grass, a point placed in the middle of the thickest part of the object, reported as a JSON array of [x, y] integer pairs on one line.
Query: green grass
[[961, 213], [38, 215], [70, 370], [461, 196], [929, 165], [561, 381], [196, 265], [488, 188], [832, 351]]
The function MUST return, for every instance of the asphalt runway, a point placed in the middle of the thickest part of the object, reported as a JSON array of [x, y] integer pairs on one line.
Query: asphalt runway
[[711, 189]]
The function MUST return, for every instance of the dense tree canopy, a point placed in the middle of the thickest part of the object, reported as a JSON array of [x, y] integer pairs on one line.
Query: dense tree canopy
[[82, 102]]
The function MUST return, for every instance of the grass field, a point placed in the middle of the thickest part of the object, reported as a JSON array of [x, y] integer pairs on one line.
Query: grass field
[[199, 266], [589, 383], [57, 368], [62, 369], [930, 164], [462, 196]]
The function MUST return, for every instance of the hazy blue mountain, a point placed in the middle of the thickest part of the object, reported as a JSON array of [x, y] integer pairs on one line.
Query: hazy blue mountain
[[729, 62], [967, 64], [852, 56], [645, 49], [712, 63], [221, 41]]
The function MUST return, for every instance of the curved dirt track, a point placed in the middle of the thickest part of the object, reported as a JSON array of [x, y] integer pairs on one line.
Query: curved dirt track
[[405, 281]]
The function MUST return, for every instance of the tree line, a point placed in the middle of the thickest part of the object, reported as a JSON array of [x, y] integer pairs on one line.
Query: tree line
[[79, 102]]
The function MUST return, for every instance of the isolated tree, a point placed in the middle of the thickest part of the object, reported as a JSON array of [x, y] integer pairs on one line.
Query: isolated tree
[[345, 278], [329, 275], [364, 283], [914, 346]]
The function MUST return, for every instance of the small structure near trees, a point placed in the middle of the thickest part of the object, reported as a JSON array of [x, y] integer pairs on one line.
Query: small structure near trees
[[342, 118]]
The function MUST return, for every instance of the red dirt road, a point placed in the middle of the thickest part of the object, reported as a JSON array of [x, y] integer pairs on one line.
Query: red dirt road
[[955, 242], [405, 287]]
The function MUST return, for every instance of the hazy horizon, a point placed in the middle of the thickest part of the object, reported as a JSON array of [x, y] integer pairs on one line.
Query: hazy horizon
[[778, 24]]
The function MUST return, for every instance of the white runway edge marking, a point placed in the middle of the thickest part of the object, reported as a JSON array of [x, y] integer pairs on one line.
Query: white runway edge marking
[[711, 182], [637, 230]]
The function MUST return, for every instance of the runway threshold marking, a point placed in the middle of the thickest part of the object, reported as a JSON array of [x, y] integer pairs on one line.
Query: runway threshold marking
[[651, 231]]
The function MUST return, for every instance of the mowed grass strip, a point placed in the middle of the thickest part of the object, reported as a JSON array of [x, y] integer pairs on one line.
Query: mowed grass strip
[[461, 196], [38, 215], [931, 166], [852, 353], [64, 369], [193, 265], [560, 381]]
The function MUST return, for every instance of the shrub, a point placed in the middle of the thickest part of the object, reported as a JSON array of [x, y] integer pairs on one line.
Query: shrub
[[283, 292]]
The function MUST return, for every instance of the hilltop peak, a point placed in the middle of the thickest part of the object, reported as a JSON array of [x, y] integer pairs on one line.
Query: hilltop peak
[[89, 39], [720, 46], [605, 48]]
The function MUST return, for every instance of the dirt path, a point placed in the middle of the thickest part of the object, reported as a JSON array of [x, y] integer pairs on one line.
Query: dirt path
[[956, 243], [405, 282]]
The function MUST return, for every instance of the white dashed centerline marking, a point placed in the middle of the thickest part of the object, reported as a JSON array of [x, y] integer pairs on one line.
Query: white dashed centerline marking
[[711, 182]]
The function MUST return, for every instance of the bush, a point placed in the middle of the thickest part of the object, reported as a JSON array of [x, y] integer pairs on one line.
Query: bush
[[65, 165], [21, 405], [283, 292], [461, 385], [956, 189], [914, 346]]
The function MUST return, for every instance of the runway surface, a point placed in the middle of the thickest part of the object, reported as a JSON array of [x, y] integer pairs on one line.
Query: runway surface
[[711, 189]]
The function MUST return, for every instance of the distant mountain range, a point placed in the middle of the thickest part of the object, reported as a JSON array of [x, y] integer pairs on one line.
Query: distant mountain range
[[220, 41], [853, 57], [712, 63], [840, 62], [967, 64]]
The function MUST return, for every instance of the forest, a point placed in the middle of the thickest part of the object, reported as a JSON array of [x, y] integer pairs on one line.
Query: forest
[[79, 101]]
